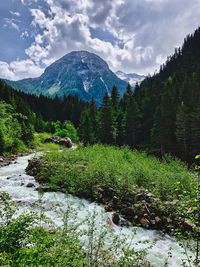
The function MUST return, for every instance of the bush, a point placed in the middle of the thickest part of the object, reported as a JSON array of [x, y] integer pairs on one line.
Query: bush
[[80, 171], [67, 129]]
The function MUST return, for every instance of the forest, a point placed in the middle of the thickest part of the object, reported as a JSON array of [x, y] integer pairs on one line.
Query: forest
[[161, 115]]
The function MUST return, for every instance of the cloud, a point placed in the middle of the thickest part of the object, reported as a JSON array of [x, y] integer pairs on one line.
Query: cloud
[[131, 35], [15, 13], [144, 32], [5, 71], [19, 69], [24, 35], [11, 24]]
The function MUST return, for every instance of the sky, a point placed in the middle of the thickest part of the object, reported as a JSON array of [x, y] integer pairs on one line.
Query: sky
[[134, 36]]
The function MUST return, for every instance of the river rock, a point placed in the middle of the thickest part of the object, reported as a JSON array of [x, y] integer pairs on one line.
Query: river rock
[[144, 222], [30, 185], [157, 219], [188, 224], [45, 188], [52, 139], [66, 141], [33, 167], [115, 218], [5, 161]]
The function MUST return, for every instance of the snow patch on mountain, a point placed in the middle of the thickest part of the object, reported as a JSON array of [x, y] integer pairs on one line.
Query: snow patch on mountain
[[86, 85], [131, 78], [104, 84]]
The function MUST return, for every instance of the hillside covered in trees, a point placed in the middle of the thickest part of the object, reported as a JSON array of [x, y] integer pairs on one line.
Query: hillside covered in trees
[[161, 115], [23, 114]]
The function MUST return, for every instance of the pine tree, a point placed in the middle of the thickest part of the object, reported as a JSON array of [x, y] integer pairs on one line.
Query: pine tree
[[130, 126], [106, 121], [85, 131], [94, 120], [183, 132]]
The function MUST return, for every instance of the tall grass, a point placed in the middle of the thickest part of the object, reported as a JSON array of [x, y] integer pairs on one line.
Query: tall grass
[[80, 171], [39, 142]]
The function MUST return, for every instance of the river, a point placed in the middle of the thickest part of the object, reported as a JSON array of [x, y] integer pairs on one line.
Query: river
[[14, 180]]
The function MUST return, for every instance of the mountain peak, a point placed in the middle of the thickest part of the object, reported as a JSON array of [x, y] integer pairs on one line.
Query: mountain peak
[[78, 73], [131, 78]]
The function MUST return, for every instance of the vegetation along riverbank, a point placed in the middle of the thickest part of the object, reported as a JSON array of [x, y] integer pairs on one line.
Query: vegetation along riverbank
[[144, 190]]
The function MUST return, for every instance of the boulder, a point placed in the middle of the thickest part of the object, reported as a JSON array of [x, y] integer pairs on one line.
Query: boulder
[[33, 167], [115, 218], [66, 141], [52, 139]]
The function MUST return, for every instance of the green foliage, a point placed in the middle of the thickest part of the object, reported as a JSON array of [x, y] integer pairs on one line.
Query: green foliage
[[106, 121], [12, 131], [80, 171], [39, 143], [161, 115], [65, 129], [188, 206], [23, 242]]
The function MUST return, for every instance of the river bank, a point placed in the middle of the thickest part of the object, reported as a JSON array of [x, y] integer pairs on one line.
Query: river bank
[[72, 173], [7, 160]]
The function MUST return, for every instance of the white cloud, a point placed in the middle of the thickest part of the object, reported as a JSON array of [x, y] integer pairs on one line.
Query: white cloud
[[19, 69], [149, 30], [142, 32], [24, 35], [15, 13], [11, 24], [5, 71]]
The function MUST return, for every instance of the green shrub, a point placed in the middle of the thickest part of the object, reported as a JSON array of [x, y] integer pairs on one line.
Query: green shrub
[[80, 171]]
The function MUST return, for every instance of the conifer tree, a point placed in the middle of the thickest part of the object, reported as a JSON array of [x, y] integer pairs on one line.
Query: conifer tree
[[85, 132], [94, 120], [106, 121], [130, 128], [183, 132]]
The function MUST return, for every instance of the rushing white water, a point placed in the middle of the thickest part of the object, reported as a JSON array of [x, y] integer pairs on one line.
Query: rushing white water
[[14, 180]]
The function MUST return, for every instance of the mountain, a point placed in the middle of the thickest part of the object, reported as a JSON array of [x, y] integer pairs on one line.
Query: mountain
[[77, 73], [131, 78]]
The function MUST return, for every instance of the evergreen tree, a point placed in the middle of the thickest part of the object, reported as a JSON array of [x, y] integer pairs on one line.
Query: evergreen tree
[[94, 120], [130, 128], [85, 131], [106, 121], [195, 131], [183, 132]]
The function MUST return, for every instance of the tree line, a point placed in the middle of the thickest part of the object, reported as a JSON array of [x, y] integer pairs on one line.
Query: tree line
[[161, 115], [23, 114]]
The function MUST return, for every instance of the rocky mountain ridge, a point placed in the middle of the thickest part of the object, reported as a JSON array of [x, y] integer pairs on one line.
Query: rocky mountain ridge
[[77, 73]]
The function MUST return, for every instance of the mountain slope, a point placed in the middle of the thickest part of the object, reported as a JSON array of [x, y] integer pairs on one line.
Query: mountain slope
[[78, 72], [131, 78]]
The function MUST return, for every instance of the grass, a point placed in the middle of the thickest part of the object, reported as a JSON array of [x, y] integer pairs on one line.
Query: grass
[[39, 143], [80, 171]]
